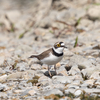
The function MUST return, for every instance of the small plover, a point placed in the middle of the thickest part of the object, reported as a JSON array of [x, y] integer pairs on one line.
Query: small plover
[[51, 56]]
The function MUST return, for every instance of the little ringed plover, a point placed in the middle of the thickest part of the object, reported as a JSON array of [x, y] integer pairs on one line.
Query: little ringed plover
[[51, 56]]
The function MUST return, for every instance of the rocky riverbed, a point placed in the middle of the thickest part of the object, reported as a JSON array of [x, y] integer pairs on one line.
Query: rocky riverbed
[[30, 27]]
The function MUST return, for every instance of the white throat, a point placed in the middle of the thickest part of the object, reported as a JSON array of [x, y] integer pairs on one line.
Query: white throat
[[58, 50]]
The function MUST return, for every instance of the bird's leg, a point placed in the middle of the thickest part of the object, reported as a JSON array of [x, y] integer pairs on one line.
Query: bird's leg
[[49, 71], [55, 69]]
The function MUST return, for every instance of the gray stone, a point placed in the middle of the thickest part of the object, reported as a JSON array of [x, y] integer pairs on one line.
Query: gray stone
[[71, 86], [47, 88], [18, 52], [13, 15], [65, 98], [80, 61], [18, 91], [2, 71], [85, 24], [21, 66], [18, 75], [95, 75], [84, 85], [35, 66], [94, 12], [3, 95], [2, 58], [77, 98], [32, 92], [78, 93], [3, 78], [68, 91], [89, 71], [53, 91], [58, 86], [62, 71], [25, 92], [61, 79], [88, 83], [3, 87], [76, 82], [76, 77], [45, 81], [93, 90], [74, 70]]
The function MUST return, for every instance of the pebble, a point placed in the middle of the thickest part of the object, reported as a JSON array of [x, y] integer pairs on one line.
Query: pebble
[[35, 67], [32, 92], [3, 78], [68, 91], [53, 91], [93, 12], [61, 79], [3, 87], [78, 93]]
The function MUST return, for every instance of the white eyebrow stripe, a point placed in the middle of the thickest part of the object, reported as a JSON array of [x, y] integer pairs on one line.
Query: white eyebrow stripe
[[62, 44]]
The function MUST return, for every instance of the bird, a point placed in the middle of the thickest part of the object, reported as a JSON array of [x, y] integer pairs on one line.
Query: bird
[[51, 56]]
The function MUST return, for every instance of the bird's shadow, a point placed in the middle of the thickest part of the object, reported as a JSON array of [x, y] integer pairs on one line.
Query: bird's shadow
[[53, 73]]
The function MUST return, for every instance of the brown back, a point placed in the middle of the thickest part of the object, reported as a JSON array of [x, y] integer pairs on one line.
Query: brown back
[[44, 54]]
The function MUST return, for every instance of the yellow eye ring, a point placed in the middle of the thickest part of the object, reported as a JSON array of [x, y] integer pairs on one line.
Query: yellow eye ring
[[58, 45]]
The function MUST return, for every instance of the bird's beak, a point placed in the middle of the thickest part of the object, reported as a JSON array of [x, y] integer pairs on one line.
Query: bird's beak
[[65, 47]]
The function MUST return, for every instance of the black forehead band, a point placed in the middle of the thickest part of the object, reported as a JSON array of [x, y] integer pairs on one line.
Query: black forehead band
[[60, 42]]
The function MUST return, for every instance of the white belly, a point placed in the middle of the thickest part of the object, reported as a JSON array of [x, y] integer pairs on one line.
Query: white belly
[[51, 60]]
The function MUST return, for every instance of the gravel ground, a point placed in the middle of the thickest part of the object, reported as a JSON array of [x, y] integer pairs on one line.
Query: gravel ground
[[30, 27]]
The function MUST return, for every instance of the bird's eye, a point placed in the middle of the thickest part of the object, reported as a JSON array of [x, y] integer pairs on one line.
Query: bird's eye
[[58, 45]]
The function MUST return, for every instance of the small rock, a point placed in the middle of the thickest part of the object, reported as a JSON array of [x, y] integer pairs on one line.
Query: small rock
[[2, 58], [18, 91], [80, 61], [15, 76], [68, 91], [95, 76], [65, 98], [3, 87], [71, 86], [61, 79], [13, 15], [77, 77], [78, 93], [77, 98], [62, 71], [76, 82], [25, 92], [32, 92], [84, 85], [59, 86], [89, 71], [93, 90], [53, 91], [2, 71], [21, 66], [25, 75], [3, 78], [3, 95], [89, 83], [74, 70], [85, 23], [94, 12], [36, 67], [45, 81]]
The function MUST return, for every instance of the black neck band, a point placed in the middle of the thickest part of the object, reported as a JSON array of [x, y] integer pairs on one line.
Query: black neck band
[[57, 54]]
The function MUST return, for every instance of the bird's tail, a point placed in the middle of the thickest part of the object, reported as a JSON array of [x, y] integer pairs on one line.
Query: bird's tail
[[33, 56]]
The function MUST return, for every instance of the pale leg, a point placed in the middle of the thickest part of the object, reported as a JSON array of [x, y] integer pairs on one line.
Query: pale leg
[[55, 69], [49, 70]]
